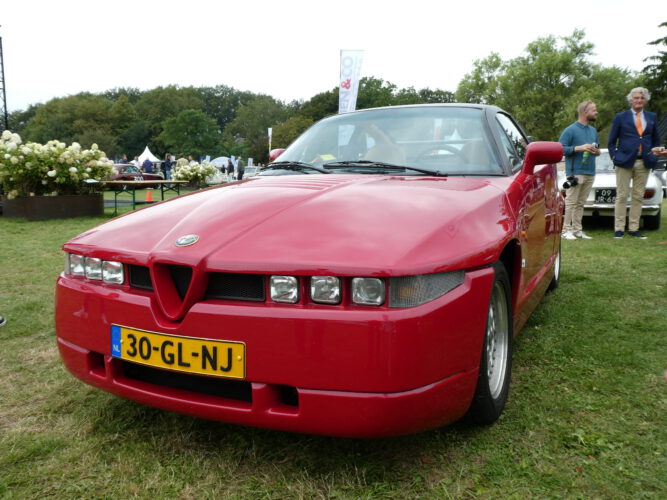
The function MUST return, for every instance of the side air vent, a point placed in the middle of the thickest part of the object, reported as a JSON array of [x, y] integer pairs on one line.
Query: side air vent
[[140, 277], [231, 286], [181, 275]]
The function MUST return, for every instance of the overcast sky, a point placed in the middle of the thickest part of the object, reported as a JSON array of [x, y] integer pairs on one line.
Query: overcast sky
[[289, 49]]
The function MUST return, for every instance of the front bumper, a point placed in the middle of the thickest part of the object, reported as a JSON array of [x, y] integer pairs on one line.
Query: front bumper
[[606, 210], [334, 413], [358, 373]]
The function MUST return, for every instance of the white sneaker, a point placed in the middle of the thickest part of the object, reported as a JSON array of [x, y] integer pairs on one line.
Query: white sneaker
[[567, 235], [582, 235]]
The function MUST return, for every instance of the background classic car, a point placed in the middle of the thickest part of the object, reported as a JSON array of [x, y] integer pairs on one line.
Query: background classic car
[[374, 292], [128, 172], [602, 198]]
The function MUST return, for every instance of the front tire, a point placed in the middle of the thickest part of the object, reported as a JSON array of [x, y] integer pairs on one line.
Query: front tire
[[555, 281], [495, 366]]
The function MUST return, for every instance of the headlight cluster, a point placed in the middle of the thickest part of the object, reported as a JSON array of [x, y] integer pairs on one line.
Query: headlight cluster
[[327, 290], [405, 291], [107, 271]]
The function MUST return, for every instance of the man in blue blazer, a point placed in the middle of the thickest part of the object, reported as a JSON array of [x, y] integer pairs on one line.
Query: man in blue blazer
[[633, 134]]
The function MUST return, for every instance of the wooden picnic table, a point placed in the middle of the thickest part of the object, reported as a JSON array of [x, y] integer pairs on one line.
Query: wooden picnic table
[[130, 187]]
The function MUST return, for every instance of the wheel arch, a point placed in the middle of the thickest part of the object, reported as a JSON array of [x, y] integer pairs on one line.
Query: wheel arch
[[510, 257]]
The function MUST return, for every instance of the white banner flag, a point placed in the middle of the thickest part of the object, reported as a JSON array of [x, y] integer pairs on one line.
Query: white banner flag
[[350, 72]]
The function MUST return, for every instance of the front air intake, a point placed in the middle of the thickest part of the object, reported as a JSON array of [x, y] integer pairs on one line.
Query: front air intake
[[181, 276], [234, 286], [140, 277]]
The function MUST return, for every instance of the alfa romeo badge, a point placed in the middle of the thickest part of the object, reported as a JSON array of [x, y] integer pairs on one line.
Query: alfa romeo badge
[[187, 240]]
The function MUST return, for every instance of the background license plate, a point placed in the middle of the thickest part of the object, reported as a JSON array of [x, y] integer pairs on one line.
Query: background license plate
[[184, 354], [605, 196]]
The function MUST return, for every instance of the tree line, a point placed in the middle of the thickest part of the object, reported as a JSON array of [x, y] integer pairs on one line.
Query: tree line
[[541, 88]]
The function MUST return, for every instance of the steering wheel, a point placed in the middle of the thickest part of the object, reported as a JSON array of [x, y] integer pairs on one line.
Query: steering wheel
[[421, 156]]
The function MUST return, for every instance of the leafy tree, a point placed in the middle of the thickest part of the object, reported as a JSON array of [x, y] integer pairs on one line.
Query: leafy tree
[[18, 120], [536, 86], [65, 118], [90, 111], [320, 105], [252, 122], [221, 103], [50, 121], [424, 96], [482, 85], [607, 88], [542, 87], [374, 92], [407, 96], [105, 140], [156, 105], [284, 133], [131, 94], [429, 96], [258, 150], [191, 132], [655, 75], [46, 126], [122, 115], [134, 140]]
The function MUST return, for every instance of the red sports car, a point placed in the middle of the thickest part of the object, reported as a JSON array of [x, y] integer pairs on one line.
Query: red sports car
[[375, 291]]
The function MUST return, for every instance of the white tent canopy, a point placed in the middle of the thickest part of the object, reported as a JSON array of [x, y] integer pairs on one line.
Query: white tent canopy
[[147, 154], [220, 161]]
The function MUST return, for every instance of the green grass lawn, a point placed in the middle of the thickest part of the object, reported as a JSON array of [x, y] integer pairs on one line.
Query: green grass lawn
[[587, 415]]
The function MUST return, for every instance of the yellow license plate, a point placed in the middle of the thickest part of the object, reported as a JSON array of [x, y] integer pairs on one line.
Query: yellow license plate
[[184, 354]]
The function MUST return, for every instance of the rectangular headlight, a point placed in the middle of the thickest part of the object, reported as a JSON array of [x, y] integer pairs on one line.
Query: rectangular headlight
[[112, 272], [368, 291], [284, 289], [76, 265], [325, 289], [93, 268]]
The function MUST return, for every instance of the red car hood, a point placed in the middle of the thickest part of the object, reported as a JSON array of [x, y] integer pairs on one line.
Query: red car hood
[[305, 224]]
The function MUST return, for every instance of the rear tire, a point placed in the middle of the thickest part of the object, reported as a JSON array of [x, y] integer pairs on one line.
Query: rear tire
[[495, 366]]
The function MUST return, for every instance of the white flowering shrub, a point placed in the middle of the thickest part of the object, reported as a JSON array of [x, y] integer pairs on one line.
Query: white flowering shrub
[[195, 173], [33, 169]]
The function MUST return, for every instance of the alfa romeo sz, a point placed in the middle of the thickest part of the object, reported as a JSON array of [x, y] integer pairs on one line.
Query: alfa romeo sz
[[373, 291]]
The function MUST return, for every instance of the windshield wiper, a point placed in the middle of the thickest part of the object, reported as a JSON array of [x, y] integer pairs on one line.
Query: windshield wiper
[[380, 164], [294, 165]]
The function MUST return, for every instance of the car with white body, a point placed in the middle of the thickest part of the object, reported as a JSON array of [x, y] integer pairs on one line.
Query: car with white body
[[602, 198]]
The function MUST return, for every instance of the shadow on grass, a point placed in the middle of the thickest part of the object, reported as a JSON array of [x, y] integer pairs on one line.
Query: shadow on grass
[[163, 433]]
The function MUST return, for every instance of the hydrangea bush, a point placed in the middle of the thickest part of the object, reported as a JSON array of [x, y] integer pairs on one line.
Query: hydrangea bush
[[33, 169], [194, 173]]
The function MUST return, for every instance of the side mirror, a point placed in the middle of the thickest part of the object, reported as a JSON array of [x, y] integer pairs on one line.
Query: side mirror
[[541, 153], [275, 153]]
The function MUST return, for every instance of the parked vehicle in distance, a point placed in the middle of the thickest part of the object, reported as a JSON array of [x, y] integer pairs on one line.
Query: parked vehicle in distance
[[128, 172], [602, 198], [251, 172], [661, 171], [371, 289]]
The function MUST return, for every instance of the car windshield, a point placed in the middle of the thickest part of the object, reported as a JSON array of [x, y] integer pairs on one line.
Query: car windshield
[[603, 162], [438, 140]]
